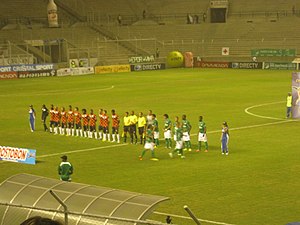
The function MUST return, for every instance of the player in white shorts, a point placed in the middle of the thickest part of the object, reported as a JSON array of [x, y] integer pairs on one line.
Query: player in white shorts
[[202, 137], [186, 128], [167, 131], [149, 144]]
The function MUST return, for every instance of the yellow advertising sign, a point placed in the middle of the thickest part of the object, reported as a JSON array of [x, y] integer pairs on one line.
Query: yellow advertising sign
[[112, 69]]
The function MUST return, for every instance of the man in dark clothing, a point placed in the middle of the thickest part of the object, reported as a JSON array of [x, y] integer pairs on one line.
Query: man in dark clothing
[[45, 113]]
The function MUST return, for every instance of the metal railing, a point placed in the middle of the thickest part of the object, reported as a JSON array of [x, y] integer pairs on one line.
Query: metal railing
[[22, 212]]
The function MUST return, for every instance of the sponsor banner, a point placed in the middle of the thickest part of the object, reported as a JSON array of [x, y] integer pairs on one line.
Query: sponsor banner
[[35, 74], [19, 155], [75, 71], [82, 70], [246, 65], [203, 64], [143, 67], [27, 67], [63, 72], [273, 52], [112, 69], [296, 95], [219, 4], [8, 75], [280, 66], [141, 59]]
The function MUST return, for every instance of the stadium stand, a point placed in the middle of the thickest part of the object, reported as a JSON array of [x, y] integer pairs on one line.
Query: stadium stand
[[91, 29]]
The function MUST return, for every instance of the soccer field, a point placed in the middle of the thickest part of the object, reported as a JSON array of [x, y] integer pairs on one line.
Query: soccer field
[[258, 183]]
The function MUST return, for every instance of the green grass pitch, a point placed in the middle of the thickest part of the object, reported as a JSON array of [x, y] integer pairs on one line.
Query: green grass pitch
[[258, 183]]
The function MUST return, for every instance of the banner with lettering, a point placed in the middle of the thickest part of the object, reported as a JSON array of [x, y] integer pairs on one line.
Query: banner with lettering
[[296, 95], [18, 155], [273, 52]]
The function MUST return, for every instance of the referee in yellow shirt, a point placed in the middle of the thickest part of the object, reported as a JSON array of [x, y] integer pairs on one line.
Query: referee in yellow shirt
[[289, 100], [132, 128], [126, 121], [141, 127]]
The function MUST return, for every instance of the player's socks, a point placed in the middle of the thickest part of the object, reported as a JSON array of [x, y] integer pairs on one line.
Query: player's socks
[[55, 130], [113, 137], [67, 131], [104, 137], [50, 128], [85, 134], [63, 131], [108, 137], [77, 132], [100, 135], [199, 145], [95, 134], [60, 130], [118, 138], [81, 133], [143, 153], [73, 132]]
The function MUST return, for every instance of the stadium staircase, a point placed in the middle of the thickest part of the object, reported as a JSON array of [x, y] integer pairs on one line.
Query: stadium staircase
[[41, 56], [100, 30]]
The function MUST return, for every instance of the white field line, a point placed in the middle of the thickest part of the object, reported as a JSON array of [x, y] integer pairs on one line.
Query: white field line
[[210, 132], [260, 116], [120, 145], [71, 91], [189, 218], [81, 150]]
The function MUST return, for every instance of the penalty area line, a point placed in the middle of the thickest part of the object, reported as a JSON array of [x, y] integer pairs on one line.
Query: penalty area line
[[189, 218], [260, 105]]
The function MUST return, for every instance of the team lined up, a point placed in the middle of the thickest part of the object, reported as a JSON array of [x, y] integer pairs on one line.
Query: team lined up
[[82, 124]]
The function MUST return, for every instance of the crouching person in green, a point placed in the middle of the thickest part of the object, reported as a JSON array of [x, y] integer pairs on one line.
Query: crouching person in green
[[149, 143], [65, 169]]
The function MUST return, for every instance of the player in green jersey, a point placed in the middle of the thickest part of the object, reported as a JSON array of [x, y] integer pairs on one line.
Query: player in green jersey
[[179, 142], [149, 144], [167, 131], [65, 169], [156, 130], [186, 128], [176, 121], [202, 137]]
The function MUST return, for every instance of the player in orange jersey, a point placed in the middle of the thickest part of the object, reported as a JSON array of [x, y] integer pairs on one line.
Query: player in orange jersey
[[105, 117], [70, 129], [85, 122], [115, 126], [92, 122], [63, 118], [100, 128], [77, 118], [56, 120]]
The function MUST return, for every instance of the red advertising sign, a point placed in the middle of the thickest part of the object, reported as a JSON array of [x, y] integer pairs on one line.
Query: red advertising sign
[[203, 64], [8, 75]]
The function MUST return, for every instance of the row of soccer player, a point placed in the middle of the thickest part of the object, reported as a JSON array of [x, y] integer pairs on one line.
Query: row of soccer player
[[74, 123]]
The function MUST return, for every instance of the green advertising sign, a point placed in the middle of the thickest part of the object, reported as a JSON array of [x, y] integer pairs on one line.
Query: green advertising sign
[[273, 52]]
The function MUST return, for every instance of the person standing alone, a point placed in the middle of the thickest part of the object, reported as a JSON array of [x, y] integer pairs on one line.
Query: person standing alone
[[31, 118], [289, 100]]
